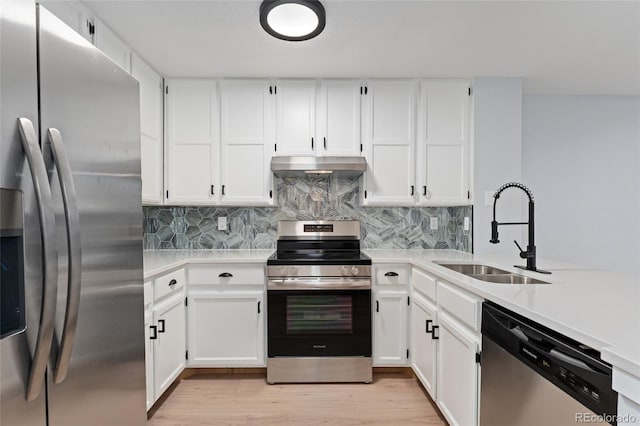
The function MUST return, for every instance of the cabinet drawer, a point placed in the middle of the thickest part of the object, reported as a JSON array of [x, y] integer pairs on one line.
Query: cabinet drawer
[[169, 283], [237, 274], [393, 274], [464, 306], [423, 283]]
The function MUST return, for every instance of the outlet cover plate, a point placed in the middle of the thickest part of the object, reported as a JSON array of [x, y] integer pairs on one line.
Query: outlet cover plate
[[433, 223], [222, 223]]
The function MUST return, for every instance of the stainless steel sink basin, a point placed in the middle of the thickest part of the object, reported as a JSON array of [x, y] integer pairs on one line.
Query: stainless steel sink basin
[[473, 269], [490, 274], [507, 279]]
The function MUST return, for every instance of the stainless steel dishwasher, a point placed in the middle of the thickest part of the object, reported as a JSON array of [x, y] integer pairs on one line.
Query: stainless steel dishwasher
[[531, 375]]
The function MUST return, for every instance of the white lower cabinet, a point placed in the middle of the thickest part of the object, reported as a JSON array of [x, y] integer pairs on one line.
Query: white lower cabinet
[[390, 345], [423, 345], [226, 329], [458, 372], [169, 347]]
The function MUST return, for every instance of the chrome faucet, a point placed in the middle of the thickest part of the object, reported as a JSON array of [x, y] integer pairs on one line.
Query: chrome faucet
[[530, 253]]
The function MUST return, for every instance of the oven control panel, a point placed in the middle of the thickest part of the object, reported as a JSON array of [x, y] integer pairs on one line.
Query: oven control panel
[[318, 227]]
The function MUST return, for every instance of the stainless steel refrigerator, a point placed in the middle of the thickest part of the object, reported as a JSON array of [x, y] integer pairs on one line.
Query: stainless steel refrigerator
[[72, 317]]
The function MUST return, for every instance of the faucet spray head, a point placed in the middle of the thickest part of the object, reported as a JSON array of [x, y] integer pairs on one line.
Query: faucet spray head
[[494, 232]]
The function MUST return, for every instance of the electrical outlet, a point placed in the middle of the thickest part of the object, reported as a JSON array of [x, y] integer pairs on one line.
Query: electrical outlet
[[467, 223], [433, 223], [222, 223], [488, 198]]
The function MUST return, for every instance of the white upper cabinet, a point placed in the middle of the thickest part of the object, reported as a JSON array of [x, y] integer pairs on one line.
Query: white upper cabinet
[[192, 142], [295, 117], [338, 118], [443, 142], [150, 130], [389, 142], [74, 14], [111, 45], [247, 126]]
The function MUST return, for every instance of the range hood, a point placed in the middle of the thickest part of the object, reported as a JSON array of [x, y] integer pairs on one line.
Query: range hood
[[305, 166]]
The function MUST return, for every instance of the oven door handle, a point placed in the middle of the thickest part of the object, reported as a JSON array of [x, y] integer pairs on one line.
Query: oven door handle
[[320, 284]]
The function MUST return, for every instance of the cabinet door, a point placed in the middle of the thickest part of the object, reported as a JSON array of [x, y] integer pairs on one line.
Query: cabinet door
[[150, 129], [150, 337], [390, 328], [192, 134], [226, 329], [295, 117], [170, 345], [457, 372], [423, 346], [74, 14], [443, 135], [247, 142], [338, 117], [111, 45], [389, 142]]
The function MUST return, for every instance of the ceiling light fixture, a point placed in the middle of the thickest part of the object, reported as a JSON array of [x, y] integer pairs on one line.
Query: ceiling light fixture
[[292, 20]]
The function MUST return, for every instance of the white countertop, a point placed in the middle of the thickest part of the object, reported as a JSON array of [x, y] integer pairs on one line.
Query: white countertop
[[600, 309]]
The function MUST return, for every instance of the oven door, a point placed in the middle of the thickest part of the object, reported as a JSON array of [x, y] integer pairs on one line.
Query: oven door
[[319, 322]]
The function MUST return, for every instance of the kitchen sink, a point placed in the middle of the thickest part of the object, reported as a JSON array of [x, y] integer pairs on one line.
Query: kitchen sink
[[490, 274], [473, 269], [507, 279]]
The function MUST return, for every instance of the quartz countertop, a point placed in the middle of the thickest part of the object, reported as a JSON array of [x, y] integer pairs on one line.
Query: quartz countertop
[[598, 308]]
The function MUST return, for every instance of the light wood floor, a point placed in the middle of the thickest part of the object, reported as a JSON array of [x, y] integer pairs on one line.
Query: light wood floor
[[246, 399]]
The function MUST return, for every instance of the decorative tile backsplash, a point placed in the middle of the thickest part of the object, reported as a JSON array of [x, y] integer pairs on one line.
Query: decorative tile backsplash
[[330, 198]]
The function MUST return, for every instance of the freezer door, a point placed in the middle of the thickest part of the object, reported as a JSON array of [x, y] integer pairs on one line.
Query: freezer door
[[18, 98], [94, 107]]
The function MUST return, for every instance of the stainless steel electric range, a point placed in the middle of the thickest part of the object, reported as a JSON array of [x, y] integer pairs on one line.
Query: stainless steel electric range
[[319, 304]]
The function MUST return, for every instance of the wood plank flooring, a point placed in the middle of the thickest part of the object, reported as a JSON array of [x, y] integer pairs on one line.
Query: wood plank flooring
[[246, 399]]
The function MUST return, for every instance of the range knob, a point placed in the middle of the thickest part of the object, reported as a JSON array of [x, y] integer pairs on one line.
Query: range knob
[[343, 271], [354, 270]]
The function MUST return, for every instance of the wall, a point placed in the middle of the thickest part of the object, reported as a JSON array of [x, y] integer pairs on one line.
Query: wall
[[497, 129], [303, 199], [581, 157]]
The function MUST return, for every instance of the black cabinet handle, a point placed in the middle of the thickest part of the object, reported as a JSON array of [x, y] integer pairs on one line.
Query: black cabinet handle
[[225, 275], [222, 189], [212, 193], [172, 283], [324, 141], [391, 274], [377, 306], [428, 323], [433, 332], [413, 190], [259, 306], [161, 324], [311, 143], [424, 190], [154, 334]]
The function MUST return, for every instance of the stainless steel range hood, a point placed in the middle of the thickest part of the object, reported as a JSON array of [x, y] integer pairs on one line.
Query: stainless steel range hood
[[305, 166]]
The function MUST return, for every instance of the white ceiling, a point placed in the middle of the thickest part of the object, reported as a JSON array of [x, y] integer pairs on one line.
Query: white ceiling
[[573, 47]]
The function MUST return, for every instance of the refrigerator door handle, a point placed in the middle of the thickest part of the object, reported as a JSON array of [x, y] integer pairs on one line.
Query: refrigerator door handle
[[72, 219], [42, 192]]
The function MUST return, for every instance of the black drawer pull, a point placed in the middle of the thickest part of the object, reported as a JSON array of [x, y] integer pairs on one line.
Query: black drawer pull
[[154, 334], [435, 336], [172, 283], [225, 275], [161, 326], [377, 306], [428, 323], [391, 274]]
